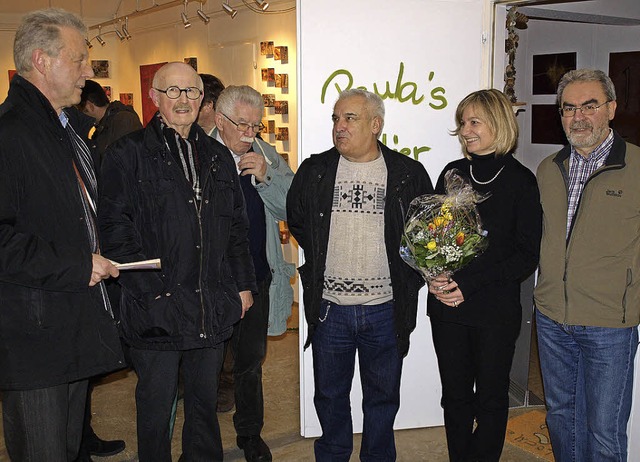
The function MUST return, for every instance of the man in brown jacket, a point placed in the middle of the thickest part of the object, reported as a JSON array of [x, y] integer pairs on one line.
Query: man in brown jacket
[[587, 294]]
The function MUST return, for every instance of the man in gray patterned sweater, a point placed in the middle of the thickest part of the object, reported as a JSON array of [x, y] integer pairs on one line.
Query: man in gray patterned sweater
[[346, 209]]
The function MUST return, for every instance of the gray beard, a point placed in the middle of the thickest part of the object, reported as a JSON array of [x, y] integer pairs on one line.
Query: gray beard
[[591, 140]]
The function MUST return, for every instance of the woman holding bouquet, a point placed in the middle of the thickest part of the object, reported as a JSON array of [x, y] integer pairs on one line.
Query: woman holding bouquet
[[475, 313]]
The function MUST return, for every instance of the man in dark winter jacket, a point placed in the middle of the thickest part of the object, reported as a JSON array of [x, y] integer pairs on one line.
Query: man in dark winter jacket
[[172, 192], [113, 120], [346, 209], [56, 323]]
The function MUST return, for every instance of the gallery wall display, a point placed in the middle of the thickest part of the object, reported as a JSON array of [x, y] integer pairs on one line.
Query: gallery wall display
[[12, 72], [275, 130]]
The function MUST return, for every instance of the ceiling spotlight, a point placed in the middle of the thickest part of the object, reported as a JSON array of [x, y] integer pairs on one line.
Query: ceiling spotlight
[[125, 28], [88, 42], [262, 4], [185, 20], [99, 38], [120, 35], [202, 15], [230, 11]]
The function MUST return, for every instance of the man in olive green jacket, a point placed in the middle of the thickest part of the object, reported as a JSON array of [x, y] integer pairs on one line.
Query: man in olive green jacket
[[588, 291]]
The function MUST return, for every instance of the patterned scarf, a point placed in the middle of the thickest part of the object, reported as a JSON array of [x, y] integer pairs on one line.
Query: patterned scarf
[[185, 151], [88, 189]]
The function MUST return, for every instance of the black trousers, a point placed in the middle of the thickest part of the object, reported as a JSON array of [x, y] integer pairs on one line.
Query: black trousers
[[477, 357], [45, 424], [155, 393], [249, 348]]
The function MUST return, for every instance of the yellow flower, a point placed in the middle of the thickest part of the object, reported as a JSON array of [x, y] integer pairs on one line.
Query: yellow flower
[[438, 221], [448, 216], [432, 245]]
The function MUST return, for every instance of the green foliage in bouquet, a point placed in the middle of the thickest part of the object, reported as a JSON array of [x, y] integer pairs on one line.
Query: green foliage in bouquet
[[443, 233]]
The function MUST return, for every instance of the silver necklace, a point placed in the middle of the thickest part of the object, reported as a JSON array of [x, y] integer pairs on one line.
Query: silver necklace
[[484, 182]]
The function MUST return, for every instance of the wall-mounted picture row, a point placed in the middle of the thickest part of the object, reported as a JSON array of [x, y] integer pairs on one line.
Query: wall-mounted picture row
[[279, 53], [269, 75]]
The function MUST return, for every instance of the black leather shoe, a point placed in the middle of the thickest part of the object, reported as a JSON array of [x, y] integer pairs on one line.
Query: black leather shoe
[[102, 448], [255, 449]]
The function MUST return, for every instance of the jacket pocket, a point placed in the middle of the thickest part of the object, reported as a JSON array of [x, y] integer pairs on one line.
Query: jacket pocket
[[157, 319]]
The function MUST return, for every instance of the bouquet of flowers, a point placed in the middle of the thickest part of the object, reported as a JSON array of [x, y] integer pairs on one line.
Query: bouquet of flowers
[[443, 233]]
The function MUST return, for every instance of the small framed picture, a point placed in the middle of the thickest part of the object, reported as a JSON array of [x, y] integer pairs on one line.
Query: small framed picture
[[264, 72], [282, 134], [100, 68], [107, 90], [126, 99], [281, 54], [193, 62], [282, 107], [269, 99]]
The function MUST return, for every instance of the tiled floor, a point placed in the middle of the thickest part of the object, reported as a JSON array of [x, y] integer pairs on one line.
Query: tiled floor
[[114, 417]]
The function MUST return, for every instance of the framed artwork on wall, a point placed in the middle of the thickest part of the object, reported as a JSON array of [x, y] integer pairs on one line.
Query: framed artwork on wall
[[546, 127], [126, 99], [193, 62], [282, 107], [624, 70], [147, 71], [549, 69], [100, 68], [12, 72], [269, 99]]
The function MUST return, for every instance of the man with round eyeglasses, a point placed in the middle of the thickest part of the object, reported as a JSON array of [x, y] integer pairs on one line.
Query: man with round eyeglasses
[[171, 192], [587, 291], [265, 178]]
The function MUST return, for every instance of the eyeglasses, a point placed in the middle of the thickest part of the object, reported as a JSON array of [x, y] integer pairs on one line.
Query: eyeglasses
[[587, 109], [174, 92], [243, 127]]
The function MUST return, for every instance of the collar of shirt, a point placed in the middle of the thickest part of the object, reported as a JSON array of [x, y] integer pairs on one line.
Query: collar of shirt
[[236, 157], [64, 119]]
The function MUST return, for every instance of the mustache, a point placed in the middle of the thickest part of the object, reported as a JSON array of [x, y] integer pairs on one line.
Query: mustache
[[247, 139], [582, 124], [181, 107]]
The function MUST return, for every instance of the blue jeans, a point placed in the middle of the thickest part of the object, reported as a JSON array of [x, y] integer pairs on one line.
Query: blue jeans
[[588, 384], [341, 331]]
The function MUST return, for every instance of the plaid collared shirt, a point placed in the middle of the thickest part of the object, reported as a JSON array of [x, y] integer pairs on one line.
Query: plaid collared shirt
[[580, 169]]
